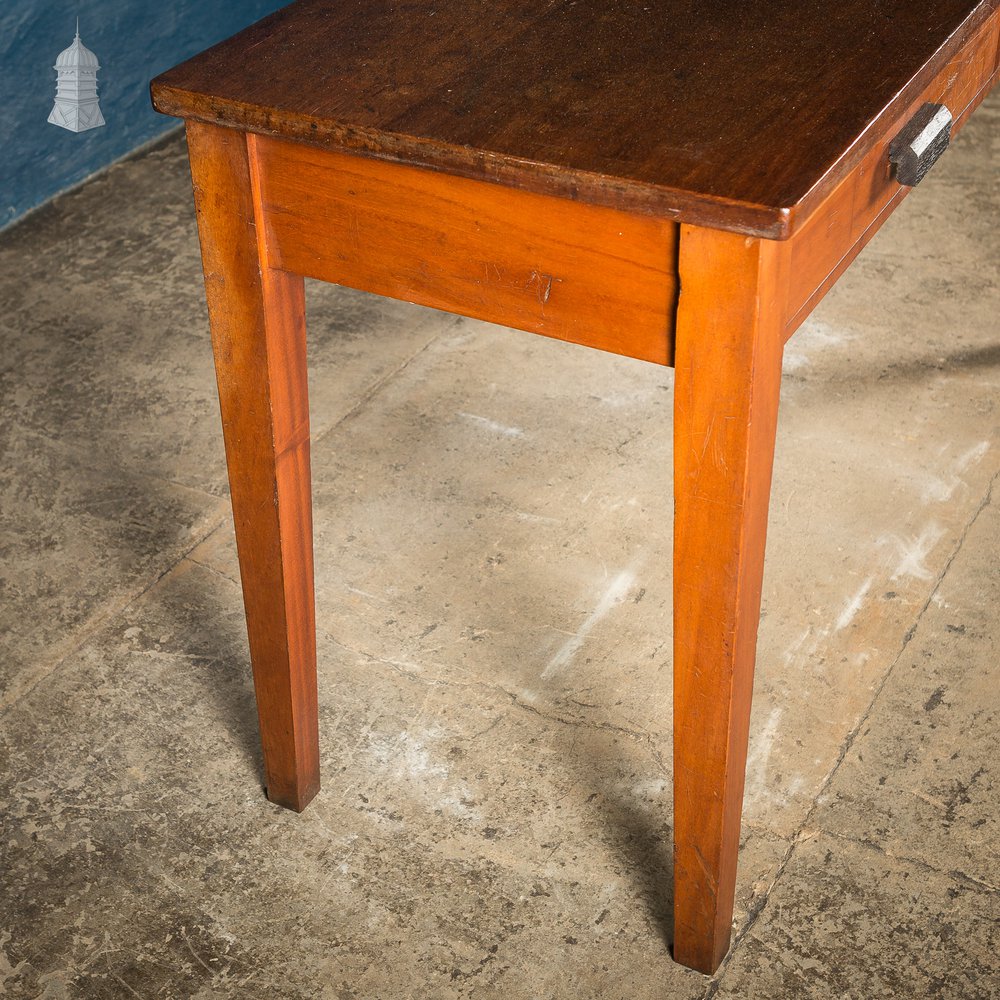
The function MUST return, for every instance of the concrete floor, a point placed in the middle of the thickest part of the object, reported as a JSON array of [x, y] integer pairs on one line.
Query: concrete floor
[[493, 541]]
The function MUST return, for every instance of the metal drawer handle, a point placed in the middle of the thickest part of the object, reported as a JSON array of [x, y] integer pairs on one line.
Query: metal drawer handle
[[915, 150]]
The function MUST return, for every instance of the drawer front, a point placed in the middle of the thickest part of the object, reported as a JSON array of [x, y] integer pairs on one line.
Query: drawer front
[[839, 228], [577, 272]]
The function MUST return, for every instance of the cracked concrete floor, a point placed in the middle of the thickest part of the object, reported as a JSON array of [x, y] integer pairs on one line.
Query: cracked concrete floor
[[493, 548]]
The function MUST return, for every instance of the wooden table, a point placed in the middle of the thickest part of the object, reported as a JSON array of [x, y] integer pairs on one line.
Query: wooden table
[[678, 182]]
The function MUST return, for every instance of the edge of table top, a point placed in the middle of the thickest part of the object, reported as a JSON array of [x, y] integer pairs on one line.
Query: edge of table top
[[171, 95]]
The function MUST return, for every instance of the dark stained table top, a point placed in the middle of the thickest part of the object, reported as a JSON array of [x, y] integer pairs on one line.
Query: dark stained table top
[[732, 113]]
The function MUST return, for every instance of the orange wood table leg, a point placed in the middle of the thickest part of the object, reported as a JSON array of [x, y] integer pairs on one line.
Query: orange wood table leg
[[257, 315], [728, 374]]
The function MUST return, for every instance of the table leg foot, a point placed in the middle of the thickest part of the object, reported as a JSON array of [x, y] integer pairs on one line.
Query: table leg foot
[[728, 373], [257, 316]]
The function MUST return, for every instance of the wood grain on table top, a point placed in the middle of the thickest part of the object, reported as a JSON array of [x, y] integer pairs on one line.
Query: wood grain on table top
[[734, 114]]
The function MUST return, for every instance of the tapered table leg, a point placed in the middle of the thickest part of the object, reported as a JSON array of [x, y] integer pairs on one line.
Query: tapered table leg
[[257, 316], [728, 372]]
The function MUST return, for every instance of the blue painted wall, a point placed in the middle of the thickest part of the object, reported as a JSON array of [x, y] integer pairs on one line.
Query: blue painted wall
[[134, 41]]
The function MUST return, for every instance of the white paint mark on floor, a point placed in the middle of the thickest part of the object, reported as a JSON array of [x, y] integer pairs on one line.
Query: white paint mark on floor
[[761, 746], [795, 649], [941, 490], [650, 788], [912, 552], [973, 456], [626, 398], [412, 763], [615, 592], [618, 504], [803, 651], [853, 606], [492, 425], [415, 761], [937, 490], [536, 518]]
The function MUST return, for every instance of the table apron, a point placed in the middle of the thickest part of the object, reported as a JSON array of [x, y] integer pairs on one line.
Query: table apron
[[574, 271]]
